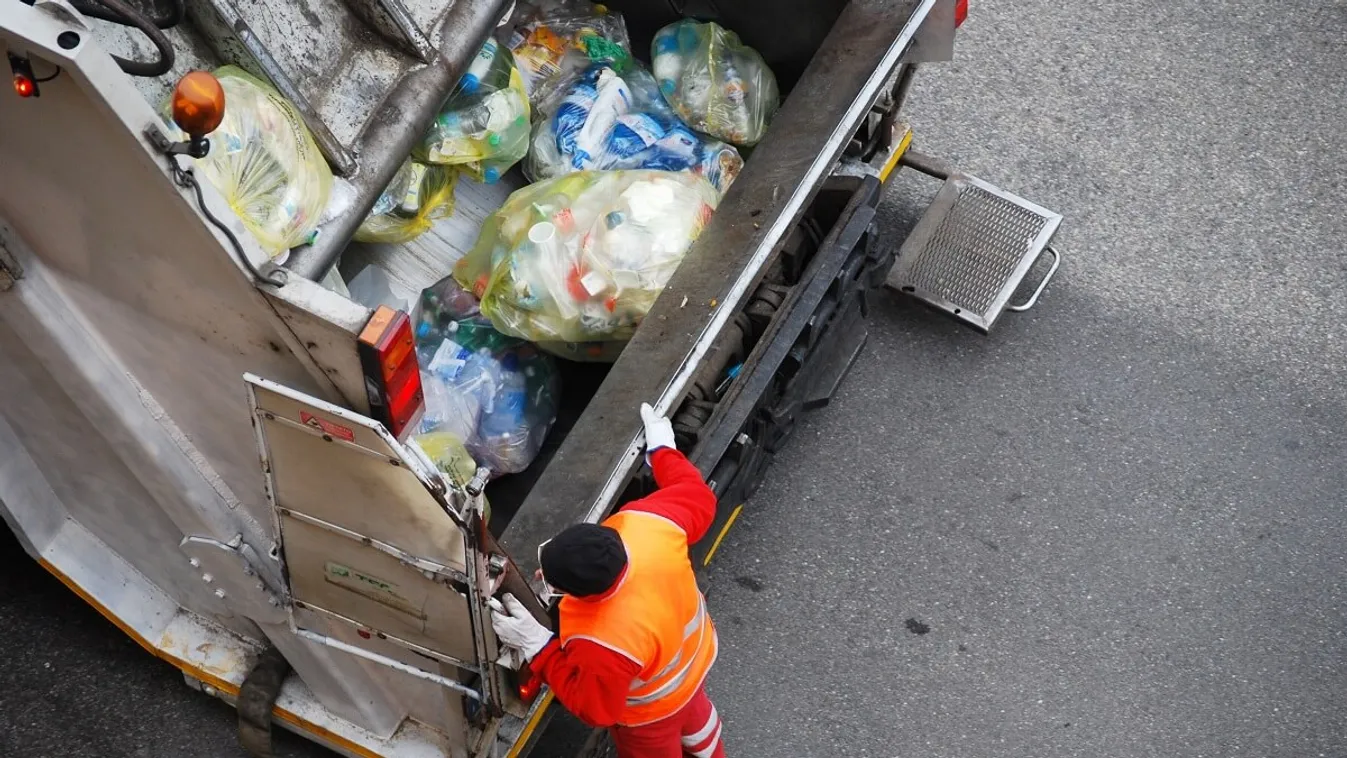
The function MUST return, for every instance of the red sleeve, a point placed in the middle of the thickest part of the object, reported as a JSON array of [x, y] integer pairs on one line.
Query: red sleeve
[[590, 680], [683, 497]]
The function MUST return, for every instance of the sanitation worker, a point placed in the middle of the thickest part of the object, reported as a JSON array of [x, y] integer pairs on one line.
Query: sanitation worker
[[636, 642]]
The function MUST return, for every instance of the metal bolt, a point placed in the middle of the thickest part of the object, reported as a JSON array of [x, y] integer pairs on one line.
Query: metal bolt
[[220, 594], [261, 587], [194, 563], [207, 578], [273, 602], [209, 690]]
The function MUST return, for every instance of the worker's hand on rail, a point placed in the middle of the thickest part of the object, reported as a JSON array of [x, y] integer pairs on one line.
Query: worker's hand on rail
[[516, 627], [658, 431]]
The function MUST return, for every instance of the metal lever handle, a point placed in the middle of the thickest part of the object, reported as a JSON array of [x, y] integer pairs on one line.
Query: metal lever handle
[[1056, 261]]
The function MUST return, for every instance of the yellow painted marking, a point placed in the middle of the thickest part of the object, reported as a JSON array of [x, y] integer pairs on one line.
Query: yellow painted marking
[[892, 162], [203, 675], [532, 724], [724, 530]]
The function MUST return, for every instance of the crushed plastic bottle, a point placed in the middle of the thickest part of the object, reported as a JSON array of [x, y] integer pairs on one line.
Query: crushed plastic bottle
[[608, 121], [581, 258], [715, 83], [484, 125]]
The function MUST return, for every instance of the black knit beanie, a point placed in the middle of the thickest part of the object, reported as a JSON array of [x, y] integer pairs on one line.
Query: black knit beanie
[[584, 560]]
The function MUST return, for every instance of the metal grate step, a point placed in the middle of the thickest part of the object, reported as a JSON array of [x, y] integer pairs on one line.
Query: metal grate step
[[972, 249]]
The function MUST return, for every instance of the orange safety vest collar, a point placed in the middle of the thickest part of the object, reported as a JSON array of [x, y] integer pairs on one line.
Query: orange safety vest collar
[[656, 617]]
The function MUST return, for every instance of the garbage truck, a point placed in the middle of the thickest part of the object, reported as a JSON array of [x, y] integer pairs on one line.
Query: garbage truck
[[207, 442]]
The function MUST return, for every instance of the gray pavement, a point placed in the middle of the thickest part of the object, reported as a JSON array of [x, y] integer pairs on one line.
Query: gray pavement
[[1113, 528]]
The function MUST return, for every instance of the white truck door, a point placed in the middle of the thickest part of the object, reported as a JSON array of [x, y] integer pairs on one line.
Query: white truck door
[[374, 540]]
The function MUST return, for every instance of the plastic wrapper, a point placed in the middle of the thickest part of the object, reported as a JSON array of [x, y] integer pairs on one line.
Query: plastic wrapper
[[555, 43], [484, 125], [717, 84], [451, 457], [266, 164], [581, 259], [419, 195], [495, 392], [611, 121]]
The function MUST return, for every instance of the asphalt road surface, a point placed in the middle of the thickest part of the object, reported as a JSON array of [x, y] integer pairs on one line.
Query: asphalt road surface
[[1113, 528]]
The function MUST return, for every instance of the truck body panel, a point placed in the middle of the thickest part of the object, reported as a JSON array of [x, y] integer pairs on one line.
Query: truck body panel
[[131, 466]]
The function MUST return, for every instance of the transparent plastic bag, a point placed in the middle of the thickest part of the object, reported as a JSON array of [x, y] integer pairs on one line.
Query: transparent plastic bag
[[494, 391], [554, 43], [266, 164], [484, 125], [449, 312], [458, 383], [607, 120], [515, 425], [715, 83], [583, 257], [419, 195]]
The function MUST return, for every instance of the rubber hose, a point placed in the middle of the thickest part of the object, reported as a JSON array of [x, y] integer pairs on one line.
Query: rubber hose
[[125, 15], [177, 11]]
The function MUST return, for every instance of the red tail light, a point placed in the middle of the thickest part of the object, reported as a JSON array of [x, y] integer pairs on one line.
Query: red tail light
[[531, 687], [392, 376], [960, 12]]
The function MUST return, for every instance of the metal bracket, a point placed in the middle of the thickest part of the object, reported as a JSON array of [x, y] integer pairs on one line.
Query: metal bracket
[[248, 588]]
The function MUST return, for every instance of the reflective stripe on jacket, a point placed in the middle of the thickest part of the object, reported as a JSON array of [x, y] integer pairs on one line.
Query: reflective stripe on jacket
[[656, 617]]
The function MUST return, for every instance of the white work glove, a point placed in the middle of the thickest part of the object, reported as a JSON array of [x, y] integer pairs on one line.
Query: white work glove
[[658, 431], [516, 627]]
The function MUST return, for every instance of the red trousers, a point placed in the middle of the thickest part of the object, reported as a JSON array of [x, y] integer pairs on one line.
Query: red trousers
[[693, 732]]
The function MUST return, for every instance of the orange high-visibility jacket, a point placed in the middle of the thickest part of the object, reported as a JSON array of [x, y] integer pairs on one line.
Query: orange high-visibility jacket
[[655, 617]]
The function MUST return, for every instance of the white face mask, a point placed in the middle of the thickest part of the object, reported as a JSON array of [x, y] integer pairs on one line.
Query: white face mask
[[549, 592]]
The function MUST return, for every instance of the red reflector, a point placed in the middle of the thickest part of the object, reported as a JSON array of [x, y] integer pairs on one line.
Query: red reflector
[[960, 12], [531, 687], [392, 376], [24, 86]]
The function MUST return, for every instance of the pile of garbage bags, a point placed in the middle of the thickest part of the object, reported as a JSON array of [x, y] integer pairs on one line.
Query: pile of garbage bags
[[581, 258], [419, 195], [627, 167], [265, 163], [608, 120], [496, 395], [484, 125], [717, 84]]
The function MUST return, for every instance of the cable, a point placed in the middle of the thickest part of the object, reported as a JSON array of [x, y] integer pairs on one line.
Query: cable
[[48, 78], [185, 178], [119, 12], [177, 10]]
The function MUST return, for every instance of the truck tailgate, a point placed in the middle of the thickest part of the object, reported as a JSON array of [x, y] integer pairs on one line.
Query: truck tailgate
[[787, 168]]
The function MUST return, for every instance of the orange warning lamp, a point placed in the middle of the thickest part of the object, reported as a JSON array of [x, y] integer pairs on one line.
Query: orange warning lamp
[[198, 104]]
